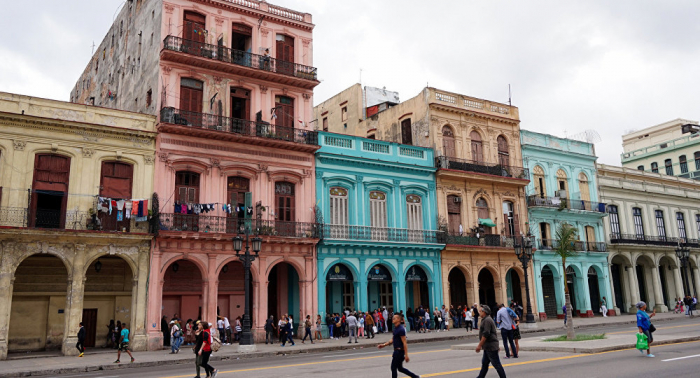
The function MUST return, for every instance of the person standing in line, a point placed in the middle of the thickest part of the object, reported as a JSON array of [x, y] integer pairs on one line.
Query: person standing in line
[[427, 320], [445, 326], [644, 325], [456, 315], [174, 337], [604, 307], [330, 323], [410, 318], [205, 350], [111, 337], [269, 330], [124, 344], [488, 341], [352, 327], [369, 326], [317, 333], [290, 330], [282, 328], [563, 308], [475, 315], [504, 320], [227, 330], [81, 340], [400, 348], [307, 330], [164, 328], [221, 327]]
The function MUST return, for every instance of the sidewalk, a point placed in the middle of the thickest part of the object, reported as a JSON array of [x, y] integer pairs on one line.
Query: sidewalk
[[100, 359]]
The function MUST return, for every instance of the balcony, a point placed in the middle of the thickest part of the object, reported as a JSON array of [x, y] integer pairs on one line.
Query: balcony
[[651, 240], [72, 220], [487, 240], [507, 171], [169, 222], [579, 246], [565, 203], [224, 59], [235, 127], [381, 234]]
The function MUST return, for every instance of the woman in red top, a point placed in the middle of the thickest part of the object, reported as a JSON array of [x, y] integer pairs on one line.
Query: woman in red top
[[205, 350]]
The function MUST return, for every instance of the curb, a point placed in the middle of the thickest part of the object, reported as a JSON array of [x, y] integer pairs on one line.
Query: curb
[[594, 350], [291, 351]]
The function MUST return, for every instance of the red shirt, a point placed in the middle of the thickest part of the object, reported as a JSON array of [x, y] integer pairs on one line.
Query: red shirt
[[206, 341]]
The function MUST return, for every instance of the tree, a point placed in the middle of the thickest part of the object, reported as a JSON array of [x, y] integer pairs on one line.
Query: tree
[[565, 247]]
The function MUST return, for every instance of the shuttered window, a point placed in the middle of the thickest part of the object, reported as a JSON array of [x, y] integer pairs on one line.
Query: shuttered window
[[638, 223], [680, 219], [503, 155], [187, 186], [448, 142], [476, 147], [339, 212], [660, 224], [614, 222], [406, 132], [116, 180], [191, 94], [377, 209]]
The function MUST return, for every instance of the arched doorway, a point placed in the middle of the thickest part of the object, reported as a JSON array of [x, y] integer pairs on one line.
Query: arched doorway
[[283, 292], [340, 289], [380, 291], [571, 283], [182, 290], [618, 271], [513, 289], [458, 287], [487, 290], [231, 293], [594, 289], [417, 291], [108, 287], [37, 319], [549, 292], [668, 281]]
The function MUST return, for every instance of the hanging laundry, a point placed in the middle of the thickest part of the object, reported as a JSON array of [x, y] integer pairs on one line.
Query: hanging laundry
[[183, 208], [178, 208], [111, 204], [250, 210], [141, 219], [120, 205], [102, 204], [134, 207], [120, 216], [127, 209]]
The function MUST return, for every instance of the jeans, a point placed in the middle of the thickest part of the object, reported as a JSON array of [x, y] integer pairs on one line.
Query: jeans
[[222, 335], [352, 332], [457, 322], [198, 363], [410, 323], [475, 323], [330, 330], [397, 365], [491, 356], [288, 339], [208, 369], [309, 335], [269, 336], [507, 336]]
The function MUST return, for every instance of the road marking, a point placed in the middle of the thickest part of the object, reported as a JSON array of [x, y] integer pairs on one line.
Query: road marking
[[680, 358], [430, 351], [349, 354]]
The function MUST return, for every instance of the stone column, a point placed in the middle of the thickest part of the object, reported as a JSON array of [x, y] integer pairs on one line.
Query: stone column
[[696, 274], [659, 306], [679, 282], [634, 289], [139, 340], [210, 303], [321, 279], [154, 302], [363, 296], [6, 285], [74, 302]]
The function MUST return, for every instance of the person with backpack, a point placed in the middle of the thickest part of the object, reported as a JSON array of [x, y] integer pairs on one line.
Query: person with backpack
[[175, 334], [123, 344]]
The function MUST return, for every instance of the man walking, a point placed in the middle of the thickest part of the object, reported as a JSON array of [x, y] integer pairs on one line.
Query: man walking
[[269, 330], [475, 315], [307, 329], [400, 348], [369, 326], [505, 320], [288, 333], [352, 327], [81, 340], [123, 344], [489, 343]]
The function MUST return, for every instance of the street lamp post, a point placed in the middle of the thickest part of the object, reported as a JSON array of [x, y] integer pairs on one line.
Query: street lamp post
[[523, 250], [683, 254], [247, 259]]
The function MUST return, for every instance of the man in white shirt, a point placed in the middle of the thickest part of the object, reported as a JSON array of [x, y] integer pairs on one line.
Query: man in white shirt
[[222, 331], [227, 329]]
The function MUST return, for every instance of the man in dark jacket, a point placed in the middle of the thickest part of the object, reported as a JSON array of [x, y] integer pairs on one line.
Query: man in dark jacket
[[81, 340], [269, 329]]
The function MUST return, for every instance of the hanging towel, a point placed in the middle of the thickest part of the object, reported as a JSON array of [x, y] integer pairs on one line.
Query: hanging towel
[[134, 207], [140, 210], [120, 216], [183, 208], [102, 204], [127, 209], [112, 203], [120, 205], [178, 208]]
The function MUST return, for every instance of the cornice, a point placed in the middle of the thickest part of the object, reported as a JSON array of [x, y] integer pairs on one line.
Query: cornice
[[382, 165], [257, 13], [473, 113]]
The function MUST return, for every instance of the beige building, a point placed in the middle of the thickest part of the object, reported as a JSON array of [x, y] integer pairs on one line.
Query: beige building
[[63, 260], [649, 214], [663, 148]]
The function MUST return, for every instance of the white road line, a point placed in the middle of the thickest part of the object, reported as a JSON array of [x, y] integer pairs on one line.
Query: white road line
[[680, 358], [350, 354]]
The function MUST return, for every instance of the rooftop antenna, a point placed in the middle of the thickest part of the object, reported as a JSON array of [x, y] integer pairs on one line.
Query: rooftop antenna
[[93, 48], [509, 102], [360, 76]]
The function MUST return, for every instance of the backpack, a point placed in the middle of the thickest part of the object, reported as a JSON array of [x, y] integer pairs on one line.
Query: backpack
[[215, 343]]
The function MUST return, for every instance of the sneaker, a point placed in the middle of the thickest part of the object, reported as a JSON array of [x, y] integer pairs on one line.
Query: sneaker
[[132, 360], [214, 373], [355, 341], [650, 355], [117, 361], [641, 351], [80, 355]]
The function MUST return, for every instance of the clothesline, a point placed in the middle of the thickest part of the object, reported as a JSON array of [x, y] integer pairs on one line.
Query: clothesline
[[125, 208]]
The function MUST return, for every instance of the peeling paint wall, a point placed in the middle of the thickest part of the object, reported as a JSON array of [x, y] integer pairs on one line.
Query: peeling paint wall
[[332, 110], [125, 66]]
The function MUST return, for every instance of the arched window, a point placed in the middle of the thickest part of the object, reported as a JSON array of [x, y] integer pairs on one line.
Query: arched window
[[583, 188], [562, 183], [540, 184], [339, 205], [377, 209], [414, 211], [482, 208], [640, 168], [503, 155], [476, 147], [448, 142]]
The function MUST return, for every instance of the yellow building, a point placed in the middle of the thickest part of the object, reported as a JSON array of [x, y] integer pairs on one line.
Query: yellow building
[[63, 259], [480, 183]]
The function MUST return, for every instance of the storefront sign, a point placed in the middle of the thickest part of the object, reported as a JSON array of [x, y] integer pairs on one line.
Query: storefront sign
[[339, 272], [416, 273], [379, 273]]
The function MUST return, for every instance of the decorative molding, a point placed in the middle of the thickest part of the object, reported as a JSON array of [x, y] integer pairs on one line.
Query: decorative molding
[[263, 89], [305, 42], [306, 96], [88, 152], [264, 32], [169, 8], [219, 21], [19, 144], [284, 91], [217, 79], [163, 156], [167, 70], [262, 167], [149, 159], [215, 162]]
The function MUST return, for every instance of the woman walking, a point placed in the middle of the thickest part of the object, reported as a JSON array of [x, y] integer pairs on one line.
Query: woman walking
[[317, 333], [189, 332], [204, 350], [644, 325]]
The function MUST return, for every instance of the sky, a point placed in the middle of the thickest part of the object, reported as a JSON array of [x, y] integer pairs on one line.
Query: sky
[[607, 66]]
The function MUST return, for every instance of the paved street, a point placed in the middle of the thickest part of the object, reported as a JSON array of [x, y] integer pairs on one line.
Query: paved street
[[438, 359]]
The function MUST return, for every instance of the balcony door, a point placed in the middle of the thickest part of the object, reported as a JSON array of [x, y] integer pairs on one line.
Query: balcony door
[[378, 215], [284, 110], [240, 110], [284, 208], [448, 142], [236, 188], [285, 54], [476, 147], [116, 180], [406, 132], [454, 214], [193, 33], [49, 191], [191, 95], [186, 192], [503, 154], [414, 211]]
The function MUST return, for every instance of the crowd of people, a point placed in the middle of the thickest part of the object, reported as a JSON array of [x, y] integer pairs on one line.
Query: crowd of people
[[686, 305]]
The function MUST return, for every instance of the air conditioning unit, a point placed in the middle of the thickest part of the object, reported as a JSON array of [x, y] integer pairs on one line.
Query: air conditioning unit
[[458, 199]]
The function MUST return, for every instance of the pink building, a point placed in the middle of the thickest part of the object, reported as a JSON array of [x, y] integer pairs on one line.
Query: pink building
[[232, 83]]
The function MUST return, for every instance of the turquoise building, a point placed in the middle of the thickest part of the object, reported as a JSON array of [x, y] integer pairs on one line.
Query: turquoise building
[[563, 189], [379, 245]]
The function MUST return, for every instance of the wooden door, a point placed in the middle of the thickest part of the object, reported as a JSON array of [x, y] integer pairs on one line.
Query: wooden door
[[476, 146], [90, 325], [503, 155], [406, 133], [285, 207], [285, 54], [186, 192], [284, 110], [191, 95], [236, 189], [454, 214], [49, 186], [116, 180], [448, 142], [193, 31], [240, 111]]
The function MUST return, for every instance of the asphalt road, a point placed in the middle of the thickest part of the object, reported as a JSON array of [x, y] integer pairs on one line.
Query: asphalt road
[[437, 360]]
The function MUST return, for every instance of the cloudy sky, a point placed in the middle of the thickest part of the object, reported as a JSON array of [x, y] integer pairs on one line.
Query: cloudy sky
[[608, 66]]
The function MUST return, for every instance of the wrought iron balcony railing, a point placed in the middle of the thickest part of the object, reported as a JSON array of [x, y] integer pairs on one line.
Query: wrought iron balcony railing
[[68, 220], [487, 240], [241, 58], [446, 162], [237, 126], [565, 203], [232, 225], [651, 240], [367, 233], [580, 246]]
